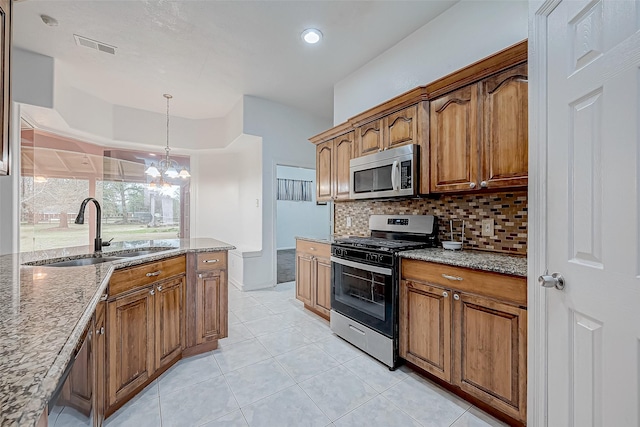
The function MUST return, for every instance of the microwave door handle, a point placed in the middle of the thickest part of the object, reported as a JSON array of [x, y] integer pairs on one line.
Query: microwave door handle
[[394, 175]]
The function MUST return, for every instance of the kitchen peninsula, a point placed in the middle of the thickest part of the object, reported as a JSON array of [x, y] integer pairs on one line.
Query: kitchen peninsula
[[45, 310]]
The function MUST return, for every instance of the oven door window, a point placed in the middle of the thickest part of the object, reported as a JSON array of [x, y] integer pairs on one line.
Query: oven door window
[[364, 296]]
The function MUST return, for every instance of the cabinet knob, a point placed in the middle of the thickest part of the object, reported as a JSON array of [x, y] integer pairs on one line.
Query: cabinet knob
[[160, 288], [200, 275], [472, 185], [484, 184], [152, 292], [100, 331], [456, 297], [104, 297], [445, 294]]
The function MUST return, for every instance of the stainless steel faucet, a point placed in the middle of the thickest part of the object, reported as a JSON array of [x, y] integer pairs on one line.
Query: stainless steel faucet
[[80, 220]]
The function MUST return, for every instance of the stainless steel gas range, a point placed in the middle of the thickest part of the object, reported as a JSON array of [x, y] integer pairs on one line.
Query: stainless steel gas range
[[365, 274]]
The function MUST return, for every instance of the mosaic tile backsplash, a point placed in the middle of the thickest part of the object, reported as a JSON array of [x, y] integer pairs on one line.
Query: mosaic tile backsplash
[[508, 209]]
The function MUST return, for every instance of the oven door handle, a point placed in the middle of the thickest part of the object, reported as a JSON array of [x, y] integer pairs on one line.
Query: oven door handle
[[366, 267]]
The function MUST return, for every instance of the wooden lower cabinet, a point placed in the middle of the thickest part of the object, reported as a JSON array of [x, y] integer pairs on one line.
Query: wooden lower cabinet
[[169, 321], [313, 276], [427, 347], [491, 350], [130, 354], [211, 294], [322, 291], [99, 363], [474, 342], [304, 277]]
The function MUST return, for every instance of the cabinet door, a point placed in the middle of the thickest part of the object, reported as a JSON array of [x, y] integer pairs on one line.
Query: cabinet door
[[401, 128], [99, 364], [211, 306], [425, 327], [77, 390], [343, 148], [490, 352], [370, 138], [322, 288], [505, 128], [454, 141], [130, 353], [324, 182], [169, 321], [304, 277]]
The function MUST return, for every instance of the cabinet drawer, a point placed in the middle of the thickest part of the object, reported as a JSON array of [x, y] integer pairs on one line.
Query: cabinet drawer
[[211, 261], [501, 287], [141, 275], [322, 250]]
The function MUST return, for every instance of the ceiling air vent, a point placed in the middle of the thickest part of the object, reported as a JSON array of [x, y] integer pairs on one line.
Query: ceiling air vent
[[96, 45]]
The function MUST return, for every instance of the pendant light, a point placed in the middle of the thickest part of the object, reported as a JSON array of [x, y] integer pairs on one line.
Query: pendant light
[[167, 166]]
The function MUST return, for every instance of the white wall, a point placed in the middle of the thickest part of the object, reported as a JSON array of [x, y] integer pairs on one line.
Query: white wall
[[225, 186], [300, 218], [33, 81], [465, 33], [285, 132]]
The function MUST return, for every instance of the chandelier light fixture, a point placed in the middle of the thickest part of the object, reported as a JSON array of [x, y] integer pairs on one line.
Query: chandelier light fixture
[[167, 167]]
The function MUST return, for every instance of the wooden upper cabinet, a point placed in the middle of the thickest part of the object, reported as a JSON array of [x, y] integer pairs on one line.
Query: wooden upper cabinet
[[505, 128], [370, 138], [401, 128], [324, 176], [491, 347], [343, 149], [5, 83], [454, 141]]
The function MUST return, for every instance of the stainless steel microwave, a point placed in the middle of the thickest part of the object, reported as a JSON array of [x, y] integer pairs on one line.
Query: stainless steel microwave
[[388, 173]]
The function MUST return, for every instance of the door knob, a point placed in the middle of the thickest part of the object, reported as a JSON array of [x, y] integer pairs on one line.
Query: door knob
[[552, 281]]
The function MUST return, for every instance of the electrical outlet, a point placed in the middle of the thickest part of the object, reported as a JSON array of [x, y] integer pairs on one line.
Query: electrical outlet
[[487, 228], [348, 221]]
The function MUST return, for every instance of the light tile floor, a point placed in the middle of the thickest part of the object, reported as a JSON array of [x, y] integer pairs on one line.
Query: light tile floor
[[282, 366]]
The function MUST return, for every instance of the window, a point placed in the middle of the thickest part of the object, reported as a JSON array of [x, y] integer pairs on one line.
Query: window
[[57, 173]]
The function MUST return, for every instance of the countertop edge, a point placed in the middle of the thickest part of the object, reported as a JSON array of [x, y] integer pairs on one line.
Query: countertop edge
[[327, 241], [475, 263]]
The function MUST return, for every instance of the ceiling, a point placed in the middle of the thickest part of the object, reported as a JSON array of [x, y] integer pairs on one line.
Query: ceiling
[[208, 54]]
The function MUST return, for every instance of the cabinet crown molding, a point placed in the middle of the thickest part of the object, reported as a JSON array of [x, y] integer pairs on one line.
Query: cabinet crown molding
[[506, 58]]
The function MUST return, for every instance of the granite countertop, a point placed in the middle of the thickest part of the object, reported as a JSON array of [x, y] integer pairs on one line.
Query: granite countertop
[[44, 311], [316, 239], [478, 260]]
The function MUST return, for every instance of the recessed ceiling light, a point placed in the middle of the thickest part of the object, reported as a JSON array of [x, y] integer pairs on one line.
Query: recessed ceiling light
[[52, 22], [311, 35]]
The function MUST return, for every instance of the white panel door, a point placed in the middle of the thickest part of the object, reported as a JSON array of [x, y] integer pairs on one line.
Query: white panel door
[[593, 325]]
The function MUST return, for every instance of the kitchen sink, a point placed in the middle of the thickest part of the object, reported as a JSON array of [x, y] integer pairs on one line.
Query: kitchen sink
[[82, 261], [139, 252]]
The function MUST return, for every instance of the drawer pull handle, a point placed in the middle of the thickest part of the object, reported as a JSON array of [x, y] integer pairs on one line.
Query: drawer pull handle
[[210, 260], [446, 276], [356, 329], [155, 273], [312, 248]]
